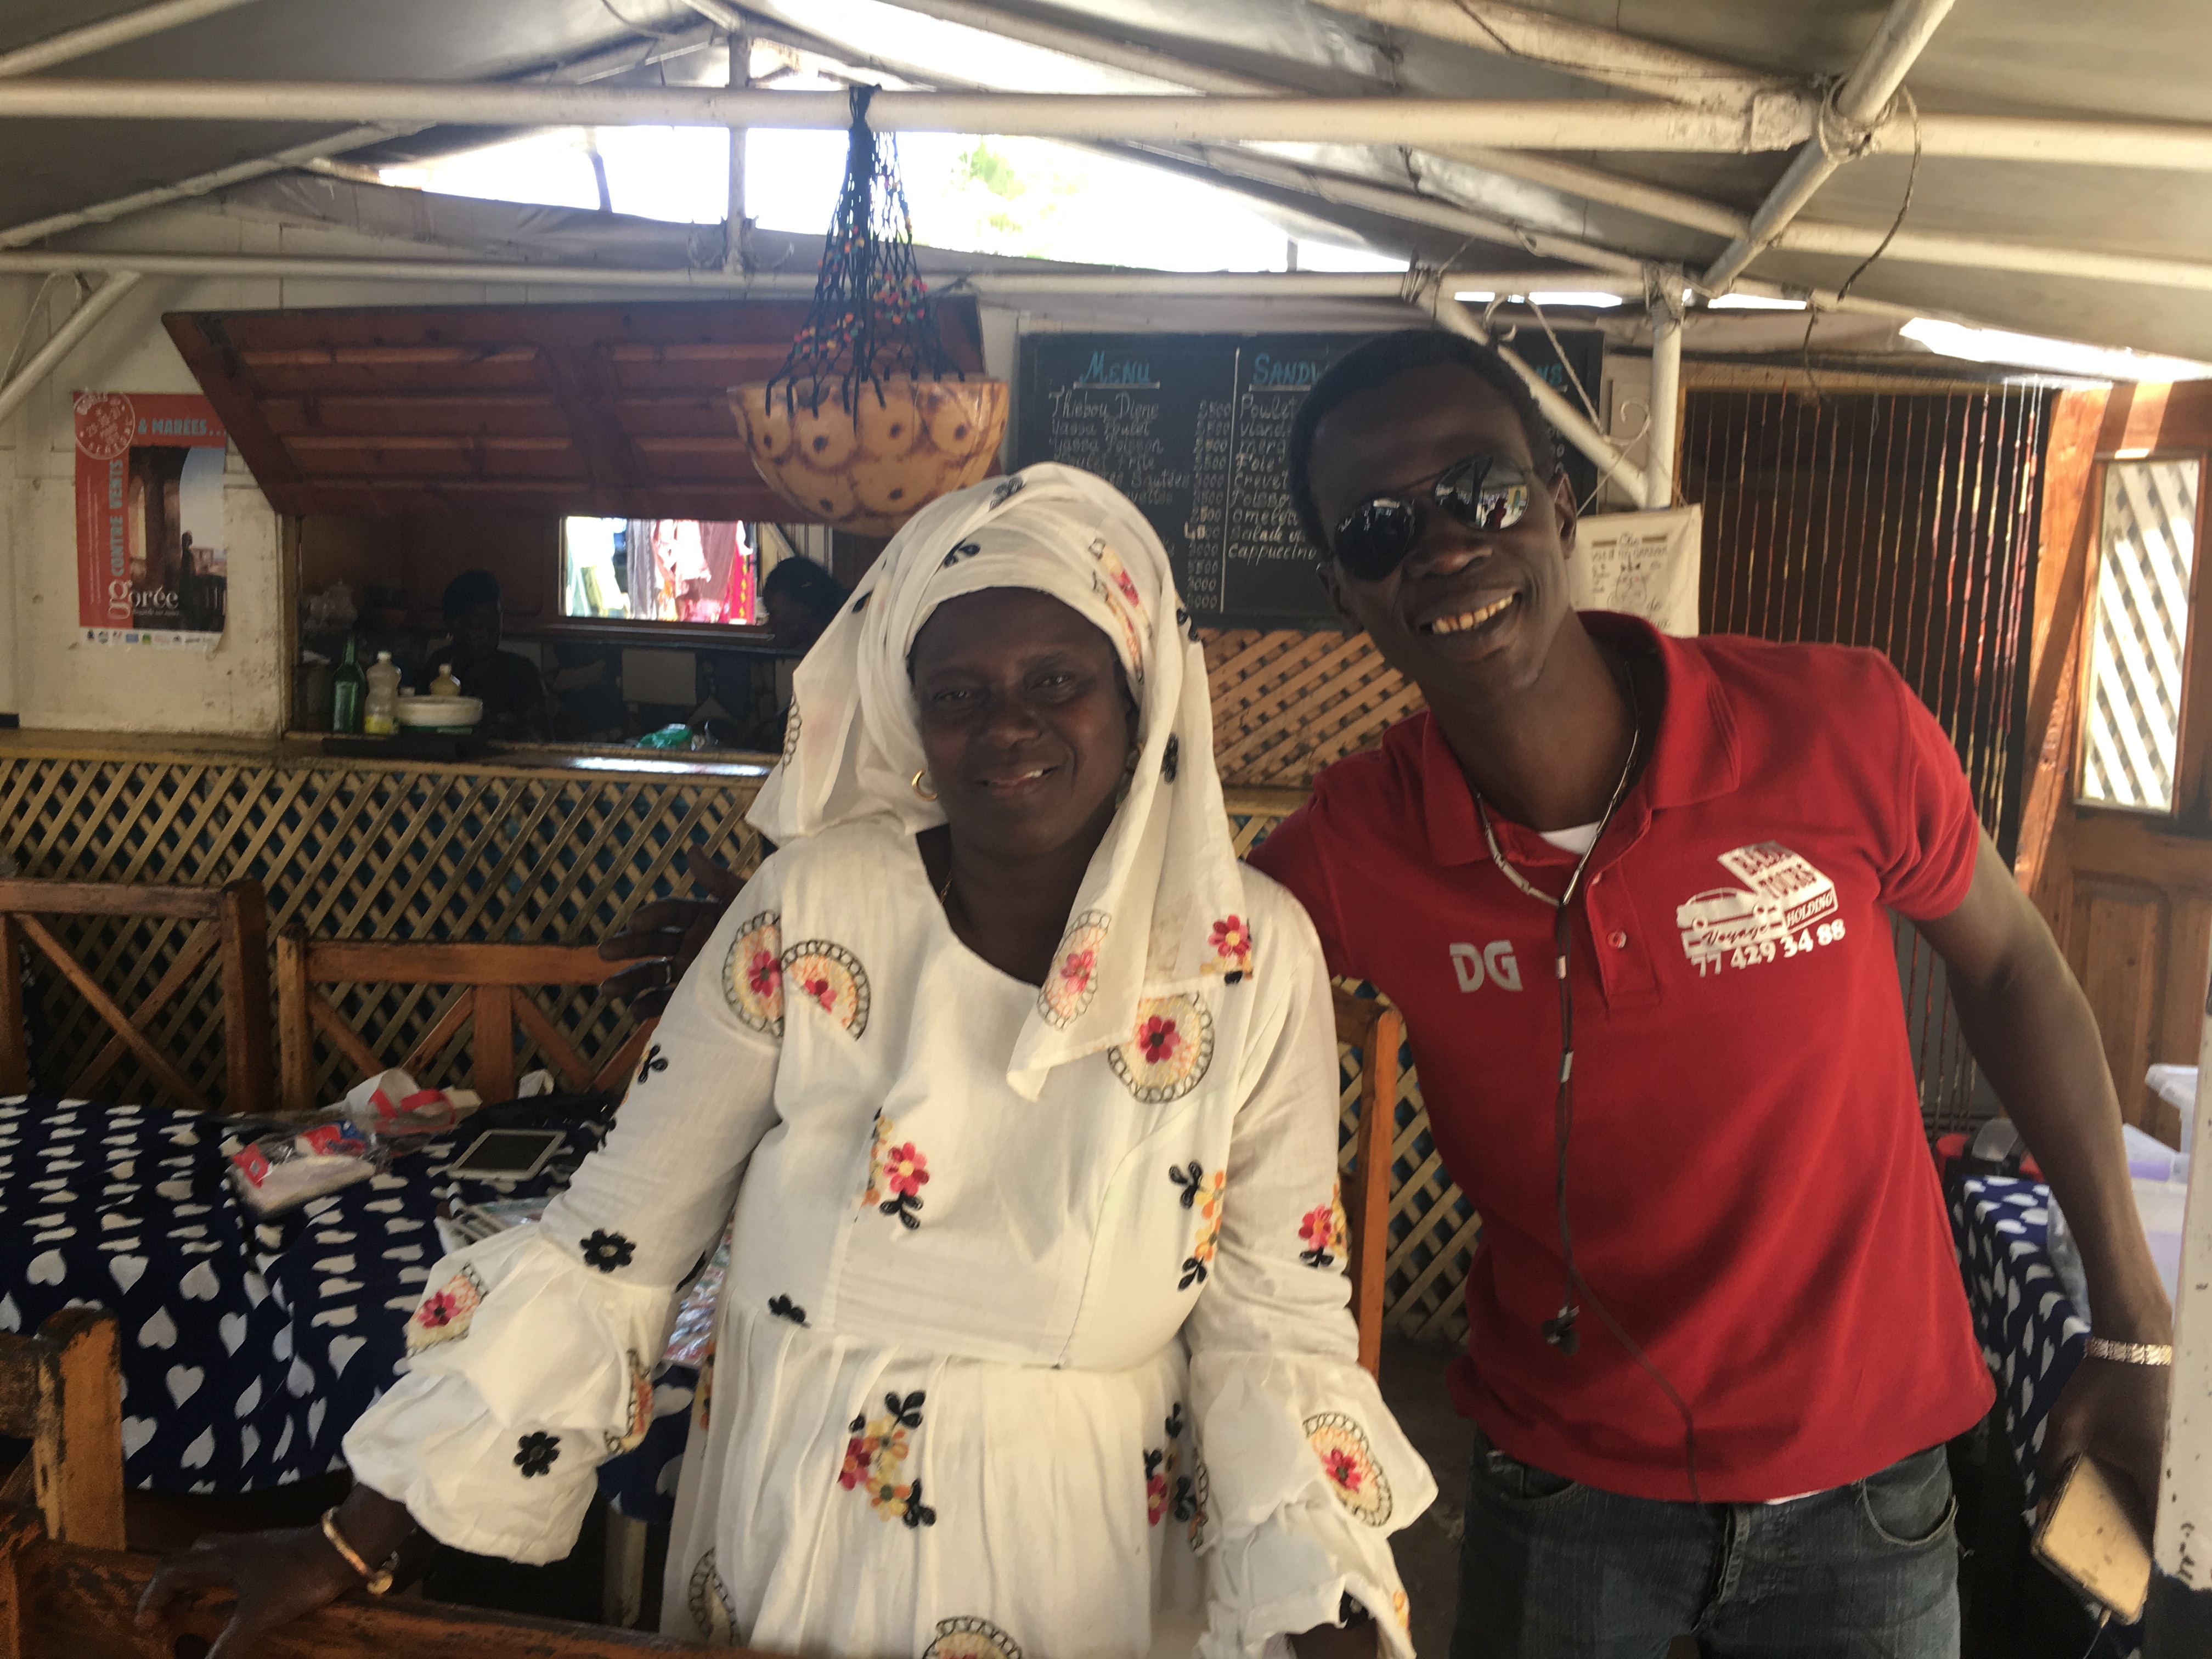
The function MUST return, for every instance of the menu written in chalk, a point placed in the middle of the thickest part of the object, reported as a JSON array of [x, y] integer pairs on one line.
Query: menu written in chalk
[[1194, 427]]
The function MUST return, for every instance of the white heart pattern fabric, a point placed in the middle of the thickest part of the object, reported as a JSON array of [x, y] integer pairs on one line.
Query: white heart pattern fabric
[[46, 1268]]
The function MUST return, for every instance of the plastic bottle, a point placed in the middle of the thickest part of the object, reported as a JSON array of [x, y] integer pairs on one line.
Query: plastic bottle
[[445, 685], [347, 687], [379, 711]]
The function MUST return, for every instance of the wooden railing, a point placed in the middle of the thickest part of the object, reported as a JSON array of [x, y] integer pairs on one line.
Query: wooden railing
[[233, 920]]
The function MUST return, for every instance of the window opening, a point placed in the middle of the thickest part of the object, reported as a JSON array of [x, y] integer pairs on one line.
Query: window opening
[[2139, 632]]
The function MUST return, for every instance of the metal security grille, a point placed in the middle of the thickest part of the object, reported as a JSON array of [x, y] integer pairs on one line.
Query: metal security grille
[[1906, 521], [2146, 557]]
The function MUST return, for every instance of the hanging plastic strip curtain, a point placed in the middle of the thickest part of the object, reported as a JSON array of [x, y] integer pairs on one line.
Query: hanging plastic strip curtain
[[1907, 522]]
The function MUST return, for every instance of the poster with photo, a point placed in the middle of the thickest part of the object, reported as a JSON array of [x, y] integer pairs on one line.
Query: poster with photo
[[151, 569]]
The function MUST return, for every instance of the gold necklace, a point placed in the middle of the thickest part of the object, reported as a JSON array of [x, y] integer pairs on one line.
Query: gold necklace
[[1620, 789]]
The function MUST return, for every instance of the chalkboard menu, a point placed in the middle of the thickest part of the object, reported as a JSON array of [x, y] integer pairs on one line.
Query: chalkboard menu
[[1193, 427]]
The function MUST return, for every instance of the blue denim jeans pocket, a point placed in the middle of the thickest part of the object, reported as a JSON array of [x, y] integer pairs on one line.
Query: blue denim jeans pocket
[[1910, 1505], [1510, 1479]]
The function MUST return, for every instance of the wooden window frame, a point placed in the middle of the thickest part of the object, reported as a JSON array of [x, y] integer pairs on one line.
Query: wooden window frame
[[2190, 810]]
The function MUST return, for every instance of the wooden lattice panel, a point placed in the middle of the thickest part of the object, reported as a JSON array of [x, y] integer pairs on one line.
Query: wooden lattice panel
[[1288, 704], [359, 852], [433, 854]]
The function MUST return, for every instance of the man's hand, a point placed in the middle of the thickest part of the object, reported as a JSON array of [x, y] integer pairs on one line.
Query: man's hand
[[2116, 1413], [664, 936]]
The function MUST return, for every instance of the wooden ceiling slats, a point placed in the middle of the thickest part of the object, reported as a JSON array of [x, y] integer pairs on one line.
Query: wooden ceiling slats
[[612, 410]]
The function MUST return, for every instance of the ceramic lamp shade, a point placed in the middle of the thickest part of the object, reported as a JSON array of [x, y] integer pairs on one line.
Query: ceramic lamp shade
[[869, 469]]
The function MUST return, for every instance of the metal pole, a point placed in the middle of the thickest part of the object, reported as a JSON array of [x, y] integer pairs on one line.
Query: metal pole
[[1083, 44], [113, 31], [1666, 397], [1535, 124], [1860, 105], [735, 228], [1594, 54], [2185, 1504], [81, 322], [1568, 421]]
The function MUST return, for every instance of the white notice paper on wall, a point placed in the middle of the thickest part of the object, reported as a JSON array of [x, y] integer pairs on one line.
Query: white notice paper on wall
[[1645, 564]]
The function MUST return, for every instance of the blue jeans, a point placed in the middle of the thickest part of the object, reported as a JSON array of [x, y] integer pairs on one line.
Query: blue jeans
[[1551, 1570]]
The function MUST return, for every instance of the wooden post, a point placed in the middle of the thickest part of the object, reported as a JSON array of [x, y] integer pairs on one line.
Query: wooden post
[[80, 1477], [295, 1029], [244, 919], [495, 1042], [1378, 1123], [15, 1036]]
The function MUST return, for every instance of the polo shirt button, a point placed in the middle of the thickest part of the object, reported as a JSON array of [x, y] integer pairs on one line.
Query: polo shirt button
[[1619, 941]]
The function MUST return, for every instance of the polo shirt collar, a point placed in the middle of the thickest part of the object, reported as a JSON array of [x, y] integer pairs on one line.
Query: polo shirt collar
[[1694, 756]]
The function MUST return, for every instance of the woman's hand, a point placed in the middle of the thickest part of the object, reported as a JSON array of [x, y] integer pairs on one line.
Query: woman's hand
[[667, 934], [278, 1576]]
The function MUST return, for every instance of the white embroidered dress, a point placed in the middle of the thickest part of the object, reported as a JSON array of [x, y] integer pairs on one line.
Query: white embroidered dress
[[1034, 1338], [1065, 1377]]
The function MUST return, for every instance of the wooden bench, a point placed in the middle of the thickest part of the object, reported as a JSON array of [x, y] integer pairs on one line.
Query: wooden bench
[[233, 920], [489, 995], [1375, 1029]]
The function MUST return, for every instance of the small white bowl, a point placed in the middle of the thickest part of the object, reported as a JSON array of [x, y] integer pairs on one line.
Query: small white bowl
[[439, 713]]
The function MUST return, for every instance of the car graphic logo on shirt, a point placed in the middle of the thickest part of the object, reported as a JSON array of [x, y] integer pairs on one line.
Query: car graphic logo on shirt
[[1494, 961], [1784, 908]]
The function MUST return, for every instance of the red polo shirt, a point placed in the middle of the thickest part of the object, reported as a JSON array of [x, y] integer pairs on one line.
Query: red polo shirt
[[1749, 1183]]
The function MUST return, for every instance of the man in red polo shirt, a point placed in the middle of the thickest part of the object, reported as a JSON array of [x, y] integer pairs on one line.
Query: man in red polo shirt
[[1717, 1335]]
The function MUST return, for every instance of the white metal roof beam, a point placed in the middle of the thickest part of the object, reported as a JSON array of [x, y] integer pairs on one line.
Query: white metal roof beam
[[1859, 106], [1086, 46], [110, 31], [1583, 49]]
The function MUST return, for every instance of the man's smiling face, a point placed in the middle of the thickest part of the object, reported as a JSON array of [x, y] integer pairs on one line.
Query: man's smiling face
[[1470, 614]]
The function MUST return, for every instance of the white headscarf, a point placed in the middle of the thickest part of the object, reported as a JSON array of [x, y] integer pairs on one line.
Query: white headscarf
[[1161, 907]]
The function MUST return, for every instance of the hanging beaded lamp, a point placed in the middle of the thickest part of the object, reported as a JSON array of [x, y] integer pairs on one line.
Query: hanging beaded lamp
[[868, 420]]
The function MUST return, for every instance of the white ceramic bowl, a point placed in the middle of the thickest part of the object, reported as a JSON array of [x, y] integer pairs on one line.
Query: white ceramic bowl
[[439, 713]]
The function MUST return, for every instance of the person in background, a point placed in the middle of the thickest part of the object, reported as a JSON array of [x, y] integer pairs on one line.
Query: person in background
[[513, 695], [799, 598]]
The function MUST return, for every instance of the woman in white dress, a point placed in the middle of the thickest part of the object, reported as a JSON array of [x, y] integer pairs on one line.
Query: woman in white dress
[[1034, 1341]]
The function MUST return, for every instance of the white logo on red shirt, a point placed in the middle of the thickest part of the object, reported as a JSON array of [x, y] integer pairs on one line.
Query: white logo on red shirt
[[1496, 960], [1781, 910]]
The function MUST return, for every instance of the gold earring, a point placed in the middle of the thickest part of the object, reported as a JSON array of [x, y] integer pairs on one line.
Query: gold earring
[[926, 794]]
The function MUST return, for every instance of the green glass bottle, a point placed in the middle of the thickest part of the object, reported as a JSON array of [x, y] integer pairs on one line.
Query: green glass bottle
[[348, 687]]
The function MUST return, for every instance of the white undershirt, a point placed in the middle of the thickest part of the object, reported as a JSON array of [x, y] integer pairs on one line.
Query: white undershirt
[[1577, 841]]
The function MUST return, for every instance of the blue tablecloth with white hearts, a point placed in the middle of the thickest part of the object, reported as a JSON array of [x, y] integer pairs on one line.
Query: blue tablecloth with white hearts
[[248, 1349], [2030, 1332]]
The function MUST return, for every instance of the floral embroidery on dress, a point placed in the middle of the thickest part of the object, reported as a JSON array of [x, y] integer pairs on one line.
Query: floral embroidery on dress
[[535, 1454], [790, 721], [1205, 1197], [752, 974], [831, 977], [1168, 1052], [712, 1608], [1190, 1177], [1344, 1454], [897, 1174], [1322, 1229], [1163, 1489], [1231, 939], [1191, 1498], [1073, 980], [971, 1638], [1157, 1473], [640, 1410], [444, 1314], [784, 1308], [1402, 1611], [653, 1062], [1171, 758], [875, 1453], [606, 1251], [1128, 604], [1004, 492]]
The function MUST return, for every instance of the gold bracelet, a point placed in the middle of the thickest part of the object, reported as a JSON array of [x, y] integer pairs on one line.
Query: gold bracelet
[[2129, 1354], [375, 1580]]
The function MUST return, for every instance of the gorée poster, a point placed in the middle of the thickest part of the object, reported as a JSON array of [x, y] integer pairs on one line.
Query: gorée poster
[[149, 544]]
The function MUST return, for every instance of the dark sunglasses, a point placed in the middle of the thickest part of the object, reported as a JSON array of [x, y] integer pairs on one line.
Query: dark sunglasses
[[1483, 492]]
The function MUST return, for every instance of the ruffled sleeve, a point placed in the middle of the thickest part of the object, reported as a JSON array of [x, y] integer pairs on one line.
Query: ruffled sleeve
[[1308, 1472], [530, 1359]]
